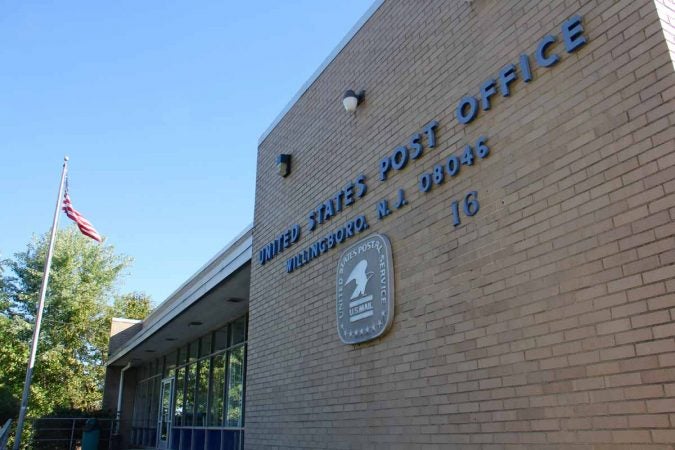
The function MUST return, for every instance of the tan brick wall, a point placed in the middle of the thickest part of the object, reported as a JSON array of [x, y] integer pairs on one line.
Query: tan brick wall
[[121, 331], [547, 320]]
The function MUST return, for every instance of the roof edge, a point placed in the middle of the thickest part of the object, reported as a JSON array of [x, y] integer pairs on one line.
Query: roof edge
[[236, 254], [203, 270], [125, 320], [343, 43]]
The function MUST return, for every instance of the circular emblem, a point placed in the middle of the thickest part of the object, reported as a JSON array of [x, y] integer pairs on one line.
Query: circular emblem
[[365, 290]]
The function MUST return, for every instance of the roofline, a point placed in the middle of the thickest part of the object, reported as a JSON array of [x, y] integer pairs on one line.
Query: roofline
[[227, 261], [343, 43], [125, 320], [199, 271]]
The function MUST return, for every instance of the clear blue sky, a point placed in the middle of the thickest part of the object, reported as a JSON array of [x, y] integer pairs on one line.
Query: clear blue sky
[[159, 105]]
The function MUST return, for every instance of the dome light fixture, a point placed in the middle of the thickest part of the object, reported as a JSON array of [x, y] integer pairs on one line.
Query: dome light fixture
[[351, 100]]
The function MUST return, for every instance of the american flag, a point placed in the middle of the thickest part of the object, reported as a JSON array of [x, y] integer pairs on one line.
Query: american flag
[[83, 224]]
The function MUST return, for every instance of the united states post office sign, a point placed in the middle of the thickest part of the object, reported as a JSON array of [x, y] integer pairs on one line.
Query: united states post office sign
[[365, 290]]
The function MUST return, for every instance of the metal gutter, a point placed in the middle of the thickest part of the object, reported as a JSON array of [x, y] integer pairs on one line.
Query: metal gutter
[[120, 390]]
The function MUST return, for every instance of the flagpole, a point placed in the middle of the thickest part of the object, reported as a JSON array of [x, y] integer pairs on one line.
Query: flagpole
[[38, 317]]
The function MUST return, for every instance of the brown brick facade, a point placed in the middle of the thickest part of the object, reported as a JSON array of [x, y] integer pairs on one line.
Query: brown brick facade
[[544, 321]]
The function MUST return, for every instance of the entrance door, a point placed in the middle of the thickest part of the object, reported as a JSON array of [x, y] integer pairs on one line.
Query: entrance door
[[165, 414]]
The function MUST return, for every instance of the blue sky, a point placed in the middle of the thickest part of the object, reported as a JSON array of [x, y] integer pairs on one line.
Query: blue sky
[[159, 105]]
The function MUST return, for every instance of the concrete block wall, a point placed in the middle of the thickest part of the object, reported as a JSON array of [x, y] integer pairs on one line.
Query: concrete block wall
[[544, 321]]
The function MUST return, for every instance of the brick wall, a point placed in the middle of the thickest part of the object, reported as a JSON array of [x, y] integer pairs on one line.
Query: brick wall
[[121, 332], [547, 320]]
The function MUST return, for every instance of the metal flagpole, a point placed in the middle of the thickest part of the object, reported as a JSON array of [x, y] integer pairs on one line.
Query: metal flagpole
[[38, 318]]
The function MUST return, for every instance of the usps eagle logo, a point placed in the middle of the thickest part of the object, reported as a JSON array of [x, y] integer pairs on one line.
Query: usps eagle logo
[[365, 290], [360, 277]]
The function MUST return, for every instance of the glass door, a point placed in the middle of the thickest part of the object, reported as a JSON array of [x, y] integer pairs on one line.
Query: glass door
[[165, 414]]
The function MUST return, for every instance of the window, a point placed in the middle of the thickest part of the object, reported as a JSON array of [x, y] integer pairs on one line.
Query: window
[[208, 397], [171, 361], [193, 351], [235, 387], [220, 338], [202, 392], [190, 379], [217, 391], [205, 347], [178, 398], [144, 419], [238, 331]]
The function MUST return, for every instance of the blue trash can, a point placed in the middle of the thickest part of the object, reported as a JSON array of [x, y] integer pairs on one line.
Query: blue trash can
[[90, 435]]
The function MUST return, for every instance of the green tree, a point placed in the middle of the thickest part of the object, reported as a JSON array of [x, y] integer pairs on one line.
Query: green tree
[[135, 305], [73, 341], [9, 405]]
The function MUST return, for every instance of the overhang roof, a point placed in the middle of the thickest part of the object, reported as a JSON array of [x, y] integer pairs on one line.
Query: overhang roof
[[217, 293]]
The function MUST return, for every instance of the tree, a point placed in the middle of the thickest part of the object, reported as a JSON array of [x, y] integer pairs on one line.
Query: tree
[[9, 405], [76, 323], [135, 305]]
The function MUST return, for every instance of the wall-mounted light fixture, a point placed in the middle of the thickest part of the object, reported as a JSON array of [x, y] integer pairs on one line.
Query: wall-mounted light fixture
[[284, 164], [351, 100]]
